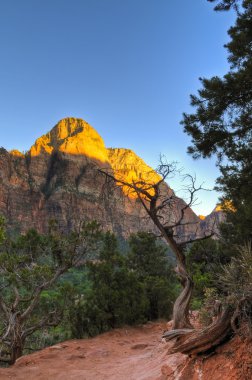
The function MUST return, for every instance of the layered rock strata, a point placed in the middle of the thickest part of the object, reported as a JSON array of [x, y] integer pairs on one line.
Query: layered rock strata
[[58, 178]]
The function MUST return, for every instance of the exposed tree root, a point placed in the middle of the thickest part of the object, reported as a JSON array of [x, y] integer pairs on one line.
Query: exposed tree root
[[193, 342], [173, 334]]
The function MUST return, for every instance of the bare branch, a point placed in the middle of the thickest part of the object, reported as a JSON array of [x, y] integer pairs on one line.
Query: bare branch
[[3, 306], [168, 213], [38, 291], [51, 320], [17, 298]]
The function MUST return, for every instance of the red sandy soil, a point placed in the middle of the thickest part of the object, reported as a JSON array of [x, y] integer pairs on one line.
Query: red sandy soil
[[135, 353]]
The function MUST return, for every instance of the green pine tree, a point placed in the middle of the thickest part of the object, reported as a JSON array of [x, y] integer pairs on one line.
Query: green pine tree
[[221, 124], [149, 260]]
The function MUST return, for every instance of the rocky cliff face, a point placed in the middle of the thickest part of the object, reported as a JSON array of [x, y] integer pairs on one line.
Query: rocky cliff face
[[211, 222], [129, 167], [58, 179], [74, 137]]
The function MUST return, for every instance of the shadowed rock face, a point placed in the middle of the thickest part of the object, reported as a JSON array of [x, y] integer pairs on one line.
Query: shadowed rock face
[[211, 222], [58, 179]]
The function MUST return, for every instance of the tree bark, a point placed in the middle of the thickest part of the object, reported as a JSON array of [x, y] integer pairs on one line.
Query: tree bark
[[16, 351], [199, 341], [156, 202], [14, 334], [182, 303]]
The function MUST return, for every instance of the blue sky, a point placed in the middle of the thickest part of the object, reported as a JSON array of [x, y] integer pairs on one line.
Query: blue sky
[[125, 66]]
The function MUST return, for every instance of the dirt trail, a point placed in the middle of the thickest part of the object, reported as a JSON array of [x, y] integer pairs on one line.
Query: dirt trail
[[122, 354], [135, 353]]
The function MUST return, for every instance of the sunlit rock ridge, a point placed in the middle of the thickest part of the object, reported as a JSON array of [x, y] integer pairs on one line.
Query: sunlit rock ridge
[[129, 167], [72, 136], [58, 179]]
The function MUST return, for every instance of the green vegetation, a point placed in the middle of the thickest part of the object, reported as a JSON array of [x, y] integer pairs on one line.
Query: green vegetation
[[221, 126], [205, 261], [60, 286], [125, 289], [235, 285], [148, 260], [31, 296]]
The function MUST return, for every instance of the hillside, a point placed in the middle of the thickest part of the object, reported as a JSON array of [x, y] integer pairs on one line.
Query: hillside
[[58, 179]]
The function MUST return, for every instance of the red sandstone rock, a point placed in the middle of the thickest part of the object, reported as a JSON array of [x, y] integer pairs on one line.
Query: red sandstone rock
[[58, 179]]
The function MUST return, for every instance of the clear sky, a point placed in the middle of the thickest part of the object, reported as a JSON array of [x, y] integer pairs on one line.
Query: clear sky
[[125, 66]]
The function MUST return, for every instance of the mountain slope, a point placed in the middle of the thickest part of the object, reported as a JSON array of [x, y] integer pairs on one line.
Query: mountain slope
[[58, 179]]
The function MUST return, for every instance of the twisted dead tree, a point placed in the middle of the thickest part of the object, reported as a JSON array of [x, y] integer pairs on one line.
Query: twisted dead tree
[[169, 214]]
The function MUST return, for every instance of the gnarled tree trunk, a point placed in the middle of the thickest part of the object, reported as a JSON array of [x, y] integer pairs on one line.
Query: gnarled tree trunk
[[192, 342], [13, 338], [160, 204], [181, 306]]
